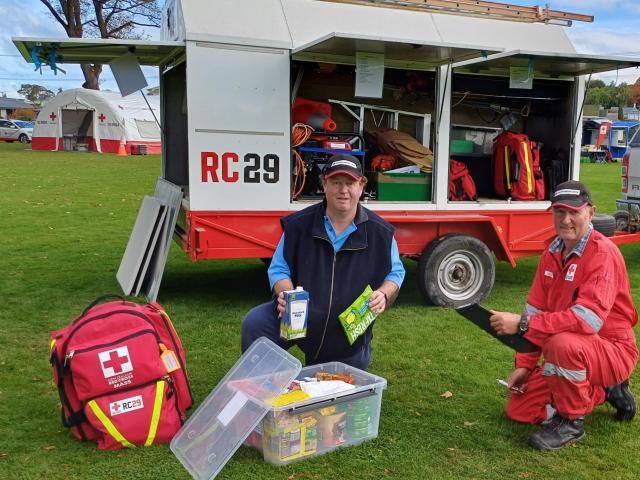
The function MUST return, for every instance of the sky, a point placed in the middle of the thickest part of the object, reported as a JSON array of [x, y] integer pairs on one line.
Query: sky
[[614, 32]]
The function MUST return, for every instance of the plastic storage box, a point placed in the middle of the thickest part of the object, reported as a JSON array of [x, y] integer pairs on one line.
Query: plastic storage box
[[234, 408], [402, 186], [319, 425]]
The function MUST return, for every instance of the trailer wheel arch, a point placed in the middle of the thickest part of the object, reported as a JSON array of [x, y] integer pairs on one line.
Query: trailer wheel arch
[[455, 270]]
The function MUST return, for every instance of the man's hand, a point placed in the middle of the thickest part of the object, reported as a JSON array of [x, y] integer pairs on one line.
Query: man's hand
[[279, 288], [377, 302], [281, 305], [504, 323], [518, 379]]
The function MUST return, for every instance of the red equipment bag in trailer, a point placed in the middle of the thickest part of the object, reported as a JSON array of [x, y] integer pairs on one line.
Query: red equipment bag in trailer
[[461, 184], [121, 374], [517, 172]]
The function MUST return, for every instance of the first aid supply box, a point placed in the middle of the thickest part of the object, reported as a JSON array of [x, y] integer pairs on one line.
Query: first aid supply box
[[315, 426], [208, 439]]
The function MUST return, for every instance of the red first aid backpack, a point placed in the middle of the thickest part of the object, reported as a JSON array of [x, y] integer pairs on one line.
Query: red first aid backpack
[[517, 172], [121, 375], [461, 184]]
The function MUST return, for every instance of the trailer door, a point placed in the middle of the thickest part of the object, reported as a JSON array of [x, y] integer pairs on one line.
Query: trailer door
[[96, 51], [524, 66]]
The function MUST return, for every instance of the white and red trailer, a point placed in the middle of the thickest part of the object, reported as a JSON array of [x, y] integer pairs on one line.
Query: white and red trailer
[[231, 69]]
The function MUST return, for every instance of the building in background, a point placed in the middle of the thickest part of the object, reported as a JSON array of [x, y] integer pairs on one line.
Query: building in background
[[9, 107]]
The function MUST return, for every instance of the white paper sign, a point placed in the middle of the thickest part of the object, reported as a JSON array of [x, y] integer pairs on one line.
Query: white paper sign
[[369, 74]]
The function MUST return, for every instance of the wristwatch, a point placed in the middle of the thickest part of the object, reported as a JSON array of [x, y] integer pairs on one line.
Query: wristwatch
[[523, 325]]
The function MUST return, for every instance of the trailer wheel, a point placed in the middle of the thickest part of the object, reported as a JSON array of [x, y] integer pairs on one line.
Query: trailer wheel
[[605, 224], [622, 220], [455, 270]]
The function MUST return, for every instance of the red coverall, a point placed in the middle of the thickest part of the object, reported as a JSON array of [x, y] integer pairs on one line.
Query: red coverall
[[582, 315]]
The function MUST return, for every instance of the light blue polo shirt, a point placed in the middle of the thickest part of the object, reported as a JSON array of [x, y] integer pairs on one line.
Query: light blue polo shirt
[[279, 269]]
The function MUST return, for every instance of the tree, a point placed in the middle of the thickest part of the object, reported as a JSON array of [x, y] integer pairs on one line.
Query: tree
[[596, 83], [608, 95], [103, 19], [36, 94], [634, 94]]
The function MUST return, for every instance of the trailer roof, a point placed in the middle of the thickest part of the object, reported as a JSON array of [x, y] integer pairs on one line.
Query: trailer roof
[[295, 23]]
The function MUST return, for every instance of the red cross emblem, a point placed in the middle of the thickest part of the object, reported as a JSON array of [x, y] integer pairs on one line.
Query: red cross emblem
[[115, 361], [101, 117], [53, 117]]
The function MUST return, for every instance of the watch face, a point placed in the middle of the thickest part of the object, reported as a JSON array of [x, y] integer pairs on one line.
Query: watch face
[[523, 326]]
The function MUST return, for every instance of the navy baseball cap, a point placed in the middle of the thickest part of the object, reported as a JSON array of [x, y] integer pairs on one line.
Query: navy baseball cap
[[345, 164], [572, 194]]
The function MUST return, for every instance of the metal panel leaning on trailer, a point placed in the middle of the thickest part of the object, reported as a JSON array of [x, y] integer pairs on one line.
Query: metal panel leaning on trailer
[[229, 73]]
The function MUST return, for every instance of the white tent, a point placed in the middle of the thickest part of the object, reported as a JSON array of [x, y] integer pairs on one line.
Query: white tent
[[82, 119]]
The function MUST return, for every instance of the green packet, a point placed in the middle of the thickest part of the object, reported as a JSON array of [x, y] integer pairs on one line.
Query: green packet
[[358, 316]]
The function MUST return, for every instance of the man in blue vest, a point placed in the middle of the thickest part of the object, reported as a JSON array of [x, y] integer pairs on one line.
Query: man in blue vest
[[332, 249]]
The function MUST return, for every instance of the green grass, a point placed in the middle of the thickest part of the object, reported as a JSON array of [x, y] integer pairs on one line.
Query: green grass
[[66, 221]]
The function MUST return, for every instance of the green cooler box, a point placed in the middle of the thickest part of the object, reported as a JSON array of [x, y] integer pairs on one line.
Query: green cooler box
[[402, 186]]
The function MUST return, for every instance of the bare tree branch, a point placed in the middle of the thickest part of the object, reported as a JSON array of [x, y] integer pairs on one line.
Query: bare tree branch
[[103, 19], [55, 14]]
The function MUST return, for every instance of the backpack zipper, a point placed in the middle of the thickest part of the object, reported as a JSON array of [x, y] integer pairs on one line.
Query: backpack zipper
[[69, 356], [99, 317]]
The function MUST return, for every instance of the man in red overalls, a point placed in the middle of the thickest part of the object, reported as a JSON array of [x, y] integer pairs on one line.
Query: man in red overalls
[[581, 315]]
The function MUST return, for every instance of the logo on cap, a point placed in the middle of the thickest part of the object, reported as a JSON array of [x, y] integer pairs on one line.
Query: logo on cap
[[566, 191], [346, 163]]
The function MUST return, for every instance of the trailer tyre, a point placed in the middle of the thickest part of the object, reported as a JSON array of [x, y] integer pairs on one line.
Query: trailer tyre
[[455, 270], [622, 220], [605, 224]]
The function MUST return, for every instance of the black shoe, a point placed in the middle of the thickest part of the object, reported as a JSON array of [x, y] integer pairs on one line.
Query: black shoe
[[621, 398], [558, 433]]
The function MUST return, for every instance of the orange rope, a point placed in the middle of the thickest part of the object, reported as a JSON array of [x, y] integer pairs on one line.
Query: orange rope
[[300, 133]]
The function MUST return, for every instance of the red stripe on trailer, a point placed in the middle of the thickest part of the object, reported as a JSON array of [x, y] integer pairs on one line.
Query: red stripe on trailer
[[510, 235]]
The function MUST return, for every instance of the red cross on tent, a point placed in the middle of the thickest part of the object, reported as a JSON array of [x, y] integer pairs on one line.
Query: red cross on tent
[[115, 361], [53, 116], [101, 117]]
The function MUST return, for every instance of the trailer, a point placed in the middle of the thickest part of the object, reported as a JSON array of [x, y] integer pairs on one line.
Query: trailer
[[231, 71]]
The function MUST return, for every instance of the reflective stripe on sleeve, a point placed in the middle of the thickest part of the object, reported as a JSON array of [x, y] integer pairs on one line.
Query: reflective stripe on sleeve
[[588, 316], [155, 416], [113, 431], [530, 309], [573, 375]]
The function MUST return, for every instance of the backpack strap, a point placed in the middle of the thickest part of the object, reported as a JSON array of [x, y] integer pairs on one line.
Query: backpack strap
[[100, 300], [155, 416], [527, 163]]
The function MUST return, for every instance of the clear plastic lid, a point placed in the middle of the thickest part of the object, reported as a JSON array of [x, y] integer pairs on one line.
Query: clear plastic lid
[[212, 434]]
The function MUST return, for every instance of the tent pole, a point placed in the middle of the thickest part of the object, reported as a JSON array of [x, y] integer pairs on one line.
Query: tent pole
[[152, 112]]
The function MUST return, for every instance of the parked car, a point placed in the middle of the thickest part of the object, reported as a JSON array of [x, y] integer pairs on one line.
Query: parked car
[[12, 130]]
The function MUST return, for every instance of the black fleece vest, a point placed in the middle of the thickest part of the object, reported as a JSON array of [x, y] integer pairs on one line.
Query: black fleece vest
[[334, 280]]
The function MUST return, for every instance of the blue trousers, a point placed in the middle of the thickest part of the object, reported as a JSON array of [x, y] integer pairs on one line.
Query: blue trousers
[[263, 321]]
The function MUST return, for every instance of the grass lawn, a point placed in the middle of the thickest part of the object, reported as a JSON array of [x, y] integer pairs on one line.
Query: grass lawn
[[66, 221]]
